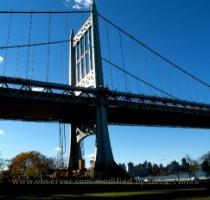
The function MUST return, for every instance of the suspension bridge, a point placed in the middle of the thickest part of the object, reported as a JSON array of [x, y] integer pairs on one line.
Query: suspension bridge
[[97, 76]]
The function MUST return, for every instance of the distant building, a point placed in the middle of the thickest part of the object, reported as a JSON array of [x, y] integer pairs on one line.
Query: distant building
[[123, 166]]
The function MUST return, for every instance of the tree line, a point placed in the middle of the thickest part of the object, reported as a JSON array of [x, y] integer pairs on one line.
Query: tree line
[[188, 165], [34, 164]]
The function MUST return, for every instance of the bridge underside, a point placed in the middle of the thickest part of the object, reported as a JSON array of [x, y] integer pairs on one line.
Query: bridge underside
[[36, 106], [43, 110]]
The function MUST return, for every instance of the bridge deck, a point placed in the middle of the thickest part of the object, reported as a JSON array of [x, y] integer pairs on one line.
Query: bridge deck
[[38, 101]]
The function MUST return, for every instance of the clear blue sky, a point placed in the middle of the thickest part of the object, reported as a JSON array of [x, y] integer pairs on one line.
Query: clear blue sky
[[177, 29]]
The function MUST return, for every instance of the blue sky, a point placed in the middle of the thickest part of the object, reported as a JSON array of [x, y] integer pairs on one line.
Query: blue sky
[[178, 29]]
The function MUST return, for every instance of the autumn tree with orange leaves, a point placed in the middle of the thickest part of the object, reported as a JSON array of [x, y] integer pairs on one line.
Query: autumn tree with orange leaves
[[30, 164]]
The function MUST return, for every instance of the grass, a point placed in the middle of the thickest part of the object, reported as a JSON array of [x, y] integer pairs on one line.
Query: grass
[[130, 195], [175, 194], [199, 191], [135, 193], [194, 198]]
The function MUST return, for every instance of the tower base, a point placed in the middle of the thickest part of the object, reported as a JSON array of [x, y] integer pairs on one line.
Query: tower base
[[109, 172], [102, 173]]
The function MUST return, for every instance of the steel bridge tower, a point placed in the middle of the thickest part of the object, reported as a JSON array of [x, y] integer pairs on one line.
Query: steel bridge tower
[[86, 71]]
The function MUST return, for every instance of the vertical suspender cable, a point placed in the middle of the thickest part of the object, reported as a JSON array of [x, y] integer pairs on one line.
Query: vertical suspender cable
[[7, 43], [29, 43], [60, 153], [123, 61], [158, 78], [48, 48], [62, 145], [109, 51], [65, 78], [136, 66], [17, 61], [59, 146], [32, 62], [148, 90], [169, 82], [179, 87], [64, 138], [61, 63], [64, 141], [59, 136], [66, 75]]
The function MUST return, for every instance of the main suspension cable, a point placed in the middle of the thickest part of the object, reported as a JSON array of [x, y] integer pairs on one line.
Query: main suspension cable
[[34, 44], [44, 12], [156, 53], [139, 79]]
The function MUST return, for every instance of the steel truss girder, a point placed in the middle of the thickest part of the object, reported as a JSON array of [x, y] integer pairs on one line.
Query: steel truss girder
[[22, 88]]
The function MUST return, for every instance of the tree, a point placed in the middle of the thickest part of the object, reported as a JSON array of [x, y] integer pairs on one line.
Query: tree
[[174, 167], [205, 167], [131, 170], [155, 170], [163, 170], [149, 168], [2, 164], [30, 164], [193, 165], [205, 162], [184, 165], [206, 157], [4, 173]]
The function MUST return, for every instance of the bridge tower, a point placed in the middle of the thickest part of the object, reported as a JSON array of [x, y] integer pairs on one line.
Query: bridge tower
[[86, 71]]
